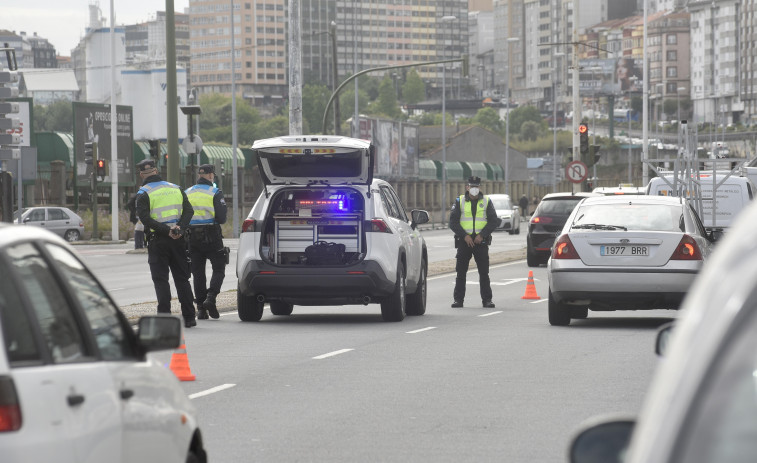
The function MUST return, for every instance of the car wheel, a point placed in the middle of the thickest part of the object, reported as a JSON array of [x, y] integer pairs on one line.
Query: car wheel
[[559, 315], [249, 308], [579, 312], [530, 256], [72, 235], [393, 307], [281, 308], [517, 230], [416, 302]]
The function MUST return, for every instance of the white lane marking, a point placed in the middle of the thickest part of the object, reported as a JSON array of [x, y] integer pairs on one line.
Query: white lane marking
[[497, 283], [490, 313], [212, 390], [331, 354], [421, 330], [117, 289], [453, 274], [539, 301]]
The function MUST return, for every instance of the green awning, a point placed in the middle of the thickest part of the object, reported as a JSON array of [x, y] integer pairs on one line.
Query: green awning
[[55, 146], [497, 171], [426, 169], [454, 170], [250, 158], [142, 151], [474, 169], [214, 154]]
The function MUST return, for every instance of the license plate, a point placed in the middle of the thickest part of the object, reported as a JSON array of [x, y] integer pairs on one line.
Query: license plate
[[625, 250]]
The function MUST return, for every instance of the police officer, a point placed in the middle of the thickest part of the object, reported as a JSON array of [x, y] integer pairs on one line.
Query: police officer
[[206, 240], [473, 219], [165, 211]]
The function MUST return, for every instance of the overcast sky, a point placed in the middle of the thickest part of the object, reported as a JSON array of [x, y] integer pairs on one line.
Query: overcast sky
[[63, 22]]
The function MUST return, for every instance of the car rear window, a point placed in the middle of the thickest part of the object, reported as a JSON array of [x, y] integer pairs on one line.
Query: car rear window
[[558, 206], [657, 217], [501, 204], [319, 166]]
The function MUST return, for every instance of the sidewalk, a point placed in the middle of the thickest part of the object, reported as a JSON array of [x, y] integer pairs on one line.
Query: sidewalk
[[227, 300]]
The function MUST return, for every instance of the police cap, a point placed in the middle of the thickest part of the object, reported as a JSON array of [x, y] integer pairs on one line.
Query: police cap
[[207, 169], [474, 181], [145, 165]]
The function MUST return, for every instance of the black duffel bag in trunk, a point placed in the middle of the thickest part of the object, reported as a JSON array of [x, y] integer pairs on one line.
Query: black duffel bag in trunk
[[324, 253]]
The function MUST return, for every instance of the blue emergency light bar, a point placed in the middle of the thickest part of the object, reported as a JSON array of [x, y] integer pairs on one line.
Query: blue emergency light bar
[[338, 205]]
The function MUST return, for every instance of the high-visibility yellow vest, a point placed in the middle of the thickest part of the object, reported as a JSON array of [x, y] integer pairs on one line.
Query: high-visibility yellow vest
[[165, 201], [473, 223], [201, 198]]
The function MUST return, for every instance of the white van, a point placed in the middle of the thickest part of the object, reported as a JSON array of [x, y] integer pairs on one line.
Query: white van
[[733, 195]]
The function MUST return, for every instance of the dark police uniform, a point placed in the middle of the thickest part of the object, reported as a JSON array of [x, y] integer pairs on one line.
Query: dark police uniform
[[206, 241], [473, 216], [160, 205]]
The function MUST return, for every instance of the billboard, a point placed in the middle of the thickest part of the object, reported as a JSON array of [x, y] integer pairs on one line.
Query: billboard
[[397, 145], [610, 76], [92, 124]]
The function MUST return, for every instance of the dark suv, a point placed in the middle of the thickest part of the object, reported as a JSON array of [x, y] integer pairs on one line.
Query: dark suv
[[546, 223]]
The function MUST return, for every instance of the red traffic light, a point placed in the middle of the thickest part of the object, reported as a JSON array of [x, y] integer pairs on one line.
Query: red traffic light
[[100, 164], [583, 128]]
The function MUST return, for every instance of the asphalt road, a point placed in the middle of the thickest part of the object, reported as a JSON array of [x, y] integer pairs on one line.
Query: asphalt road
[[338, 384]]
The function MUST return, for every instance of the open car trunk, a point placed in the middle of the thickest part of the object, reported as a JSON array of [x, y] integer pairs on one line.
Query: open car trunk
[[300, 217]]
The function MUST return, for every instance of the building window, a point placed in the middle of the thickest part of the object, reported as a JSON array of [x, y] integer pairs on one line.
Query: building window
[[672, 55], [672, 71], [671, 39]]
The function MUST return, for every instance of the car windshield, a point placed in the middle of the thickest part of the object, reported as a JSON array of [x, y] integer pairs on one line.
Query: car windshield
[[563, 206], [658, 217], [501, 203]]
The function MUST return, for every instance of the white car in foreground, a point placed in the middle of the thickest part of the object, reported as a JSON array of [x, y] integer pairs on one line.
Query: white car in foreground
[[76, 384]]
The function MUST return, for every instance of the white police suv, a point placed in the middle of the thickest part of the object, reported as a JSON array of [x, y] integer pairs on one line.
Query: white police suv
[[324, 232]]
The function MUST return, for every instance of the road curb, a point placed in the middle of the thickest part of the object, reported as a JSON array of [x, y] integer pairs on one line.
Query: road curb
[[226, 301]]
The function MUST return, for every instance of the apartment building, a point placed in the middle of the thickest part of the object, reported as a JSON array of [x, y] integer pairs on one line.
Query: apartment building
[[146, 41]]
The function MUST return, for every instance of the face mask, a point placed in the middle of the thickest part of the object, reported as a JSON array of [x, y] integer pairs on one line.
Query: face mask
[[474, 191]]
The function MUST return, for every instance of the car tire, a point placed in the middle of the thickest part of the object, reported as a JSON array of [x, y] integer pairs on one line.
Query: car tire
[[579, 312], [281, 308], [558, 314], [393, 307], [517, 230], [416, 302], [530, 256], [71, 235], [249, 308]]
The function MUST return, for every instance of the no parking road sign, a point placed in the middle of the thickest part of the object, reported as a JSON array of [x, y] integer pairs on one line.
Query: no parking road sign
[[576, 171]]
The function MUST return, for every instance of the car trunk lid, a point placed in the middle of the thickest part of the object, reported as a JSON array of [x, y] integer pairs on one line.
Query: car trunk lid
[[626, 249]]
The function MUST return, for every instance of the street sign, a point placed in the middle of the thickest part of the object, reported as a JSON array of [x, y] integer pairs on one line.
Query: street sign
[[576, 171]]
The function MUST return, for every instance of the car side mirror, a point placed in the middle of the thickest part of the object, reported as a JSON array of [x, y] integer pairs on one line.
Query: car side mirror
[[418, 217], [602, 443], [663, 338], [159, 333], [27, 219], [715, 235]]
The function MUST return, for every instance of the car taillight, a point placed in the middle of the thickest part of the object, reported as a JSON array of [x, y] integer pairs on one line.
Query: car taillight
[[563, 249], [537, 219], [379, 226], [687, 249], [248, 225], [10, 410]]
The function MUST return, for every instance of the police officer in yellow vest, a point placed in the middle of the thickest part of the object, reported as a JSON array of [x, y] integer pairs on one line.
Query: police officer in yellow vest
[[473, 219], [206, 240], [165, 211]]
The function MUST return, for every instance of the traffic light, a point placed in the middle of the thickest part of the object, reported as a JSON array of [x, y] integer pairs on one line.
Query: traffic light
[[101, 168], [90, 152], [583, 136], [593, 155], [154, 148]]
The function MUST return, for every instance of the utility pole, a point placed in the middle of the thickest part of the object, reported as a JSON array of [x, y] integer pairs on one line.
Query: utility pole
[[295, 69], [335, 74], [576, 97]]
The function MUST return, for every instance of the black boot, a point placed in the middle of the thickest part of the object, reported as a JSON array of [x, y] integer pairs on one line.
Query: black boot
[[210, 306], [189, 322], [457, 304], [202, 314]]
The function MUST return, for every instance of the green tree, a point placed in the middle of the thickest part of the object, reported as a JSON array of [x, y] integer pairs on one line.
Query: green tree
[[386, 104], [347, 100], [216, 123], [530, 130], [413, 90], [55, 117], [488, 118], [276, 126], [314, 99], [522, 114]]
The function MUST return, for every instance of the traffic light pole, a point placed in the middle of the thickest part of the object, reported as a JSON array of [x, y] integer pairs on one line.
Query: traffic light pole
[[94, 202], [576, 96]]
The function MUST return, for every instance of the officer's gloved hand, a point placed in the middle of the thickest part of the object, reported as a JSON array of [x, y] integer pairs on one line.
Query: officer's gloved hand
[[469, 241]]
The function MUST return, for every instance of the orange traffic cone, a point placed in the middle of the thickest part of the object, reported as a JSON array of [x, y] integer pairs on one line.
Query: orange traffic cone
[[530, 287], [180, 363]]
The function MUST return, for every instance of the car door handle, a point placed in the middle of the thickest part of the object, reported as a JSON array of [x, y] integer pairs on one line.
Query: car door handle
[[75, 399], [126, 394]]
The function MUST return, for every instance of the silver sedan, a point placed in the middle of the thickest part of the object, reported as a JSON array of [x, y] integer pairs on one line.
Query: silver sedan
[[625, 253]]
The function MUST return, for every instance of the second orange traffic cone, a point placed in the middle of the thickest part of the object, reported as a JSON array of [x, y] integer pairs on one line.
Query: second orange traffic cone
[[180, 363], [530, 287]]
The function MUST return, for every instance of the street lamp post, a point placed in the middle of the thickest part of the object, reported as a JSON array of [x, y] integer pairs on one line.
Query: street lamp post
[[507, 116], [554, 124], [444, 19]]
